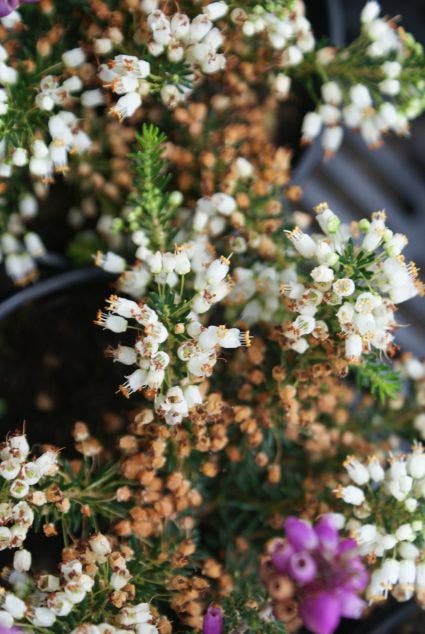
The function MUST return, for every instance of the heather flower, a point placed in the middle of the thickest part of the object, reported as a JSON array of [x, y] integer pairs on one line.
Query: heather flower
[[321, 570], [213, 621], [7, 6], [390, 539]]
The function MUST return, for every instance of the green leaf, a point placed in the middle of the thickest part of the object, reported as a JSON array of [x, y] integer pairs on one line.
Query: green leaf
[[379, 378]]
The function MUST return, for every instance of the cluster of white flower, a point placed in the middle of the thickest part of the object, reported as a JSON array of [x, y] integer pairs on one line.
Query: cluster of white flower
[[288, 31], [20, 247], [146, 354], [63, 127], [131, 620], [57, 595], [359, 284], [20, 475], [387, 521], [257, 290], [67, 138], [371, 109], [126, 75], [193, 41], [192, 343], [211, 213]]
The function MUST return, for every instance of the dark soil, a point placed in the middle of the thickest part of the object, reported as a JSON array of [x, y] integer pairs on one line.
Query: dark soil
[[54, 371]]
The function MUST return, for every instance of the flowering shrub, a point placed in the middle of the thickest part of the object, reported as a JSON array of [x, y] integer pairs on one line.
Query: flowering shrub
[[257, 344]]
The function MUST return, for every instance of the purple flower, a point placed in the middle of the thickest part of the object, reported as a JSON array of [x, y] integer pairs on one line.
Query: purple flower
[[213, 621], [7, 6], [300, 534], [281, 555], [320, 612], [326, 570], [6, 630], [302, 567]]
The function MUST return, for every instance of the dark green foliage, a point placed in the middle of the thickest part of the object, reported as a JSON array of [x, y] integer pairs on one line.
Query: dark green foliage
[[153, 205], [379, 378]]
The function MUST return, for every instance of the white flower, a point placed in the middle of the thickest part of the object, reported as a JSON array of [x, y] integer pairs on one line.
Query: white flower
[[20, 157], [59, 604], [19, 489], [10, 468], [332, 139], [357, 471], [43, 617], [135, 381], [407, 550], [74, 57], [192, 396], [390, 571], [331, 92], [404, 533], [110, 262], [216, 10], [344, 287], [360, 96], [416, 464], [14, 605], [370, 11], [302, 242], [407, 573], [352, 495], [322, 274], [22, 560], [376, 471], [6, 619], [127, 105], [311, 126], [281, 85], [92, 98], [353, 347], [111, 322], [171, 95], [100, 545]]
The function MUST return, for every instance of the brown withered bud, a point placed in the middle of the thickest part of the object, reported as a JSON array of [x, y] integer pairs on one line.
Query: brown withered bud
[[89, 448], [209, 469], [280, 587], [129, 444], [80, 431], [274, 473], [261, 459], [164, 626], [211, 568], [187, 548], [123, 494], [123, 528], [49, 530], [86, 510], [285, 610], [118, 598]]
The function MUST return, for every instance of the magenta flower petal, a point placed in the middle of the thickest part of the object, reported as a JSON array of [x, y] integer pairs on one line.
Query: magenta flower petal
[[300, 534], [213, 621], [320, 613], [347, 544], [351, 605], [327, 533], [7, 6], [302, 567], [358, 577], [281, 555]]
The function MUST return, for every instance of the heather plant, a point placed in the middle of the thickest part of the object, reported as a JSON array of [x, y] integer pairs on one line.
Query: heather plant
[[265, 479]]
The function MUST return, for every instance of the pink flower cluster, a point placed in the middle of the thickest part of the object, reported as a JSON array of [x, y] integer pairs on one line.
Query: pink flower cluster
[[323, 570]]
